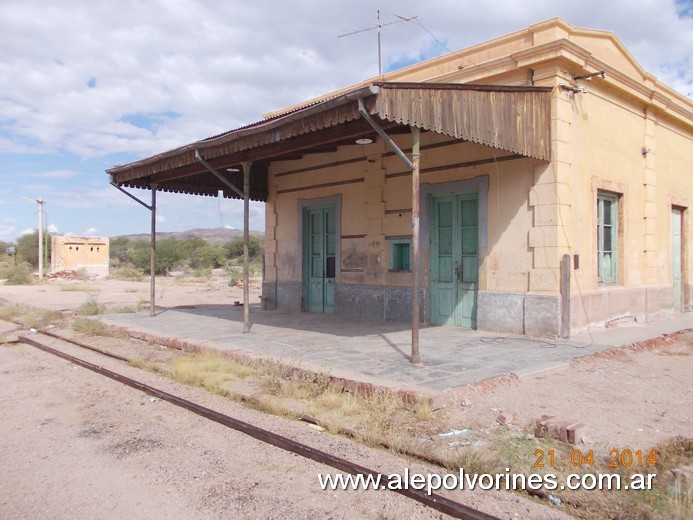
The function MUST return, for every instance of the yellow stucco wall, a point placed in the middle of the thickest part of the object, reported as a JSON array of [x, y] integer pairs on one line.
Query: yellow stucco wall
[[608, 134], [536, 211], [73, 253], [370, 211]]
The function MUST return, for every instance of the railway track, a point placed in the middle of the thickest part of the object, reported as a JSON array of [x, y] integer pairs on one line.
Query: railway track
[[434, 501]]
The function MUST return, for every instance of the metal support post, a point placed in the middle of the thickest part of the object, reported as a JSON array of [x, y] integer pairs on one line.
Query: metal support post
[[246, 239], [152, 257], [415, 259]]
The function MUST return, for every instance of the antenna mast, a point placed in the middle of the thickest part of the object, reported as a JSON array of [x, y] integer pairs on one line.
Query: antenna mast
[[379, 26]]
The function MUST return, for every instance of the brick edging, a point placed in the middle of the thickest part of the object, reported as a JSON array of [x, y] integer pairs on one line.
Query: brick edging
[[665, 340]]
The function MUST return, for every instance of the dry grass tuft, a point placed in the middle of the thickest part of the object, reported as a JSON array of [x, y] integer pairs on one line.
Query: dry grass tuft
[[129, 274], [148, 366], [472, 460], [681, 501], [271, 405], [73, 288], [91, 307], [675, 452], [29, 318], [423, 409], [40, 319], [210, 371], [10, 312], [90, 327]]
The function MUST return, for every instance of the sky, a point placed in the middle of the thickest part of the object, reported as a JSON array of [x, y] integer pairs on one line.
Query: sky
[[86, 85]]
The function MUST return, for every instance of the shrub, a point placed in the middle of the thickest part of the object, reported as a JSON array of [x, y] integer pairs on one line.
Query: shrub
[[91, 307], [234, 248], [17, 275]]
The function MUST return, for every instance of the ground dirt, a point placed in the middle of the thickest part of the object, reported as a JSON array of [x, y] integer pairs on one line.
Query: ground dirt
[[140, 458]]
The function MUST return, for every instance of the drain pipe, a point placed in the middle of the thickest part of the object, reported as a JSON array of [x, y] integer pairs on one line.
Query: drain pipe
[[415, 357], [152, 253]]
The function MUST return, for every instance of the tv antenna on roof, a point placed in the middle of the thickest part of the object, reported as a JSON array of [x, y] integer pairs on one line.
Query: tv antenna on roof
[[379, 26]]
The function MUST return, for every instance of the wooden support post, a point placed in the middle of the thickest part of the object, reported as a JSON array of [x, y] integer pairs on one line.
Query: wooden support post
[[152, 256], [415, 263], [565, 296], [246, 238]]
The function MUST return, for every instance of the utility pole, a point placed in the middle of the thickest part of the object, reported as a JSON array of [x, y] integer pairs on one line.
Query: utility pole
[[40, 203]]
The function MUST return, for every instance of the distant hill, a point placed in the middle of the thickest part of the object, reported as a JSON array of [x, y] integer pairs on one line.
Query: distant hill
[[218, 235]]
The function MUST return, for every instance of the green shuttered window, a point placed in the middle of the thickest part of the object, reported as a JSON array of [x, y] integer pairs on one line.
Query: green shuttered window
[[607, 237], [400, 255]]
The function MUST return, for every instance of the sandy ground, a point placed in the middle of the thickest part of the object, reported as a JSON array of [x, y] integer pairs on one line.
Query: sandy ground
[[62, 428], [631, 401], [634, 401], [68, 295], [76, 445]]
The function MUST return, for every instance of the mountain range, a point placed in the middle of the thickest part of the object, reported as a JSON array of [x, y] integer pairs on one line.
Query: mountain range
[[219, 235]]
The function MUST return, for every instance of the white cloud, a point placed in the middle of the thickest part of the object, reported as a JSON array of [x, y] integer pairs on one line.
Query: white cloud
[[160, 219], [89, 231], [27, 231], [54, 174], [7, 233], [52, 228], [73, 71], [135, 78]]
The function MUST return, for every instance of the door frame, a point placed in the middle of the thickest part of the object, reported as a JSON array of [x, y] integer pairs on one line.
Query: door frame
[[458, 287], [678, 306], [302, 206], [479, 185]]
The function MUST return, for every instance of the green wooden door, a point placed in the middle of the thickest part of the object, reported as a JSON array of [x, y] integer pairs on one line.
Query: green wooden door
[[454, 260], [319, 259], [676, 254]]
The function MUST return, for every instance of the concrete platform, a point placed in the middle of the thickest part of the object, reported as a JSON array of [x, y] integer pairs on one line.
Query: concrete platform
[[378, 352]]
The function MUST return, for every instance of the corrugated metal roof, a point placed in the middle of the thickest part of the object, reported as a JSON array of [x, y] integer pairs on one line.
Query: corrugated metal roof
[[306, 119], [515, 119]]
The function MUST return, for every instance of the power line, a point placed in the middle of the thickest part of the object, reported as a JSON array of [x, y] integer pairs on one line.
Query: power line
[[432, 36]]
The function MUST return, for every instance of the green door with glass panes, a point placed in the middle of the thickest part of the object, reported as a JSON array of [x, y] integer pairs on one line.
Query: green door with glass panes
[[319, 259], [676, 255], [454, 282]]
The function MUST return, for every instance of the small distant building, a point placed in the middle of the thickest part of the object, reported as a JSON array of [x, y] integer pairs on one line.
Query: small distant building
[[72, 253]]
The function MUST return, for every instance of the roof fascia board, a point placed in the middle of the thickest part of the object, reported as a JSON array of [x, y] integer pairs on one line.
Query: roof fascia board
[[268, 124], [254, 128], [524, 58]]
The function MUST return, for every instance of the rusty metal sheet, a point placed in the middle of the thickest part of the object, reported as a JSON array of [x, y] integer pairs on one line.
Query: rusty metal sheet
[[512, 119]]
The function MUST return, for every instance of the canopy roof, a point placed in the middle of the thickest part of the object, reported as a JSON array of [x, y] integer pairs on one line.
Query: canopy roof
[[515, 119]]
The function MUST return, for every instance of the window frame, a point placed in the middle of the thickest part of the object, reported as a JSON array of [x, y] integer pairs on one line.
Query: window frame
[[394, 243], [608, 259]]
